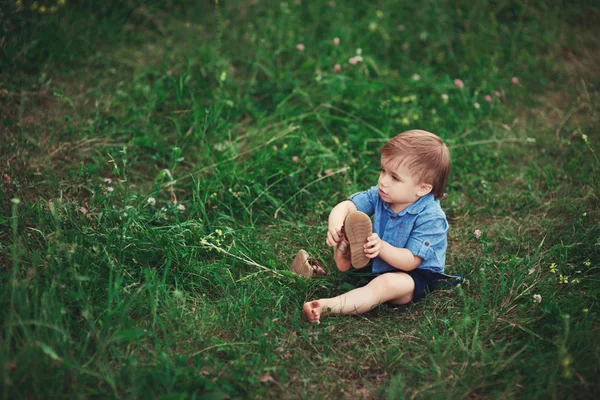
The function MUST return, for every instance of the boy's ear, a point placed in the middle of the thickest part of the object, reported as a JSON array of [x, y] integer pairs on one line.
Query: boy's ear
[[424, 188]]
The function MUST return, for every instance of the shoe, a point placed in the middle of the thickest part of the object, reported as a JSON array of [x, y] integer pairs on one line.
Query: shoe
[[300, 265], [357, 228]]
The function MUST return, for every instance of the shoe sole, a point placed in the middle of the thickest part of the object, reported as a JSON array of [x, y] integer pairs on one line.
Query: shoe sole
[[358, 228], [300, 265]]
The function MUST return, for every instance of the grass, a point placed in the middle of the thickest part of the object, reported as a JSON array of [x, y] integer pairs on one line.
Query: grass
[[107, 294]]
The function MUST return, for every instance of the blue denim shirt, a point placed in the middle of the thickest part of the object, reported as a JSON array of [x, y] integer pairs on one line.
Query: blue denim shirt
[[421, 228]]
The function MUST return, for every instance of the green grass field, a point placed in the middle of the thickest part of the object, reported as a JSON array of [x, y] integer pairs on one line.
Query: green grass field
[[162, 162]]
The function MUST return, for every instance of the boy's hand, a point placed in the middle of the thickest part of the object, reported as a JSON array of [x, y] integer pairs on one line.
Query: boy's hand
[[373, 246], [334, 236]]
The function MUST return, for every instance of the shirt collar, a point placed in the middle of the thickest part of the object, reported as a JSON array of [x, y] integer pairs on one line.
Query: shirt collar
[[415, 208]]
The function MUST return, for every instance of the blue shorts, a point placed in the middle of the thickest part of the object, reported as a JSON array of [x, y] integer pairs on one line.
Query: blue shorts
[[425, 281]]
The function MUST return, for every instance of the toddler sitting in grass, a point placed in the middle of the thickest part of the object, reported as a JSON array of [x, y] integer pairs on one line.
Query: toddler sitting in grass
[[404, 248]]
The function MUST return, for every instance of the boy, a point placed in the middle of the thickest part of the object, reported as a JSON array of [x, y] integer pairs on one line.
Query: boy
[[405, 247]]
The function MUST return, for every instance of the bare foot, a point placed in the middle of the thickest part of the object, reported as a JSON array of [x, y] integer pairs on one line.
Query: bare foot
[[312, 311], [318, 270], [340, 256]]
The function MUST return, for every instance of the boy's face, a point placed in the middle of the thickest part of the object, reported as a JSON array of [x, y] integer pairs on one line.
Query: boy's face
[[398, 186]]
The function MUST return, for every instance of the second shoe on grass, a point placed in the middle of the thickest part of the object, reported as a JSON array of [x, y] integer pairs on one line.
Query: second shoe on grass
[[303, 265], [300, 265], [357, 228]]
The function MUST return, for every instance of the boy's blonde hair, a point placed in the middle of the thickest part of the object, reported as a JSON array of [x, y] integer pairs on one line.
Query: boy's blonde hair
[[424, 154]]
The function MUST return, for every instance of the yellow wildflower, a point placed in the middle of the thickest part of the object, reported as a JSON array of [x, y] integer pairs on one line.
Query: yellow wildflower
[[62, 2], [42, 9], [405, 121], [553, 268], [35, 6]]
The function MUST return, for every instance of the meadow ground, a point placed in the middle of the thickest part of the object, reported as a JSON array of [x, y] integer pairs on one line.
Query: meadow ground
[[162, 161]]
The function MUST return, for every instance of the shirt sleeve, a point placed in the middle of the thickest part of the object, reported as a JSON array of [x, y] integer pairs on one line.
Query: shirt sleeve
[[366, 201], [429, 241]]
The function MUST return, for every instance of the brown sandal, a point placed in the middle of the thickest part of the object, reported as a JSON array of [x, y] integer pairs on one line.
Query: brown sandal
[[302, 267], [357, 228]]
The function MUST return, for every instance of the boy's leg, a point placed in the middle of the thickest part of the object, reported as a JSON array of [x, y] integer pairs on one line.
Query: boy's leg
[[396, 288]]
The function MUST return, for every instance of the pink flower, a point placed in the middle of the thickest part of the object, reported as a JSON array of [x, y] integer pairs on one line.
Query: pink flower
[[405, 46], [401, 27], [336, 41], [275, 147], [477, 234], [337, 68], [488, 98], [300, 47], [445, 97], [343, 170], [476, 105], [515, 80], [459, 83], [110, 188], [151, 201], [328, 172], [354, 60], [6, 179], [497, 93], [181, 207], [295, 159], [108, 180], [83, 210]]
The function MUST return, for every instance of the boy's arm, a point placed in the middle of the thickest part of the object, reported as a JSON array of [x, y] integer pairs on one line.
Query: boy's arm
[[425, 237], [336, 220], [400, 258]]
